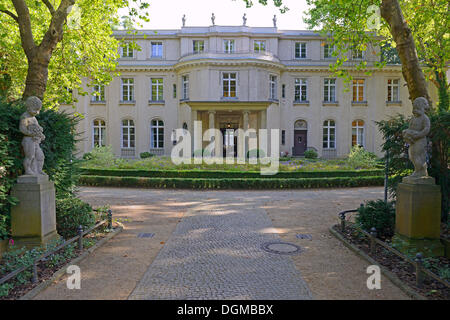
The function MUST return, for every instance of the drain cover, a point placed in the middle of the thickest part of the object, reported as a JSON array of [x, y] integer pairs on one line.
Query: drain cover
[[279, 247], [145, 235], [304, 236]]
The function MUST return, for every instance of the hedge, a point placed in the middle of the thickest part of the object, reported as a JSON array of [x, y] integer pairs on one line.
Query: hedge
[[206, 174], [230, 183]]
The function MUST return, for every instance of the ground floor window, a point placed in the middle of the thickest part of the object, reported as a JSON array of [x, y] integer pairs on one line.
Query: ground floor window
[[98, 133], [157, 134], [329, 134], [358, 133], [128, 134]]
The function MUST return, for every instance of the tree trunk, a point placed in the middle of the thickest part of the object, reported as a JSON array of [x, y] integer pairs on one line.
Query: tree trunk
[[37, 75], [412, 72]]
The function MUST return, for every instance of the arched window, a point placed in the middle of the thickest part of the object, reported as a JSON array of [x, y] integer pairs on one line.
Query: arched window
[[329, 134], [128, 134], [98, 133], [157, 134], [358, 133]]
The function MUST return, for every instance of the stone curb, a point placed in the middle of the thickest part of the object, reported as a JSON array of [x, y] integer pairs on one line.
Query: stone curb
[[394, 279], [61, 272]]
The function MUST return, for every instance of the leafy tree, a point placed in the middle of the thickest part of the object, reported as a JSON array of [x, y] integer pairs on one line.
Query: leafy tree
[[59, 43]]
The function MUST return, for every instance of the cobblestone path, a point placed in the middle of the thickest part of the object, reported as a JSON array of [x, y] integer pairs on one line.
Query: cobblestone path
[[216, 254]]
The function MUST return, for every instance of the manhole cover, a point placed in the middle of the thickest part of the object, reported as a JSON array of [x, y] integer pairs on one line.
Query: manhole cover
[[304, 236], [281, 248], [145, 235]]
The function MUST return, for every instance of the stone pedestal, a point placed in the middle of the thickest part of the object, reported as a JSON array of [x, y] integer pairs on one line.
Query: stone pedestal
[[418, 216], [33, 219]]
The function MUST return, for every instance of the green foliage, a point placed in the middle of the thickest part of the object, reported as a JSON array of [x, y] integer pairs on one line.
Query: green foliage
[[100, 156], [361, 158], [71, 212], [377, 214], [145, 155], [311, 154]]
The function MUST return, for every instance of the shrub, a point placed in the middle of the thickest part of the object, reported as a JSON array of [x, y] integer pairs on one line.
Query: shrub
[[145, 155], [311, 154], [378, 214], [361, 158], [101, 156], [71, 212]]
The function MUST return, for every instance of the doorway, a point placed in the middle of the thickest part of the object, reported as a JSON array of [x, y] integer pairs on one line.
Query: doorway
[[300, 142], [229, 142]]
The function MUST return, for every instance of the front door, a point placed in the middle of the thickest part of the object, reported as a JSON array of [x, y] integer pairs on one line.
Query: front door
[[229, 142], [300, 142]]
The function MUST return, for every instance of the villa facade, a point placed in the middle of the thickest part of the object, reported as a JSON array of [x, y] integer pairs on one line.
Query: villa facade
[[231, 77]]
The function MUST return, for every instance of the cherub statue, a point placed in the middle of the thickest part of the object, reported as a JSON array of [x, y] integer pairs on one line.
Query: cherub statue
[[416, 137], [183, 20], [274, 20], [33, 135], [213, 19], [244, 20]]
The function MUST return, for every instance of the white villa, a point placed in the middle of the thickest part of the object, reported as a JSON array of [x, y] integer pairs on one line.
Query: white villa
[[231, 77]]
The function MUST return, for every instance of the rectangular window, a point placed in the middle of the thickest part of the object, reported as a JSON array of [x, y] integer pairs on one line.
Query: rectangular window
[[128, 134], [259, 46], [273, 87], [228, 46], [127, 89], [174, 91], [393, 86], [283, 91], [328, 51], [98, 94], [301, 89], [300, 50], [358, 90], [157, 49], [229, 84], [329, 90], [283, 137], [357, 54], [329, 135], [126, 51], [185, 80], [157, 89], [199, 46]]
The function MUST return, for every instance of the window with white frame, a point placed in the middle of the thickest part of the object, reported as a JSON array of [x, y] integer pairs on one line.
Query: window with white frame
[[98, 133], [128, 134], [259, 46], [229, 84], [358, 90], [393, 88], [98, 93], [300, 91], [329, 90], [157, 89], [357, 54], [198, 46], [328, 51], [358, 133], [157, 134], [185, 83], [126, 51], [273, 87], [127, 89], [300, 50], [228, 46], [329, 134], [157, 49]]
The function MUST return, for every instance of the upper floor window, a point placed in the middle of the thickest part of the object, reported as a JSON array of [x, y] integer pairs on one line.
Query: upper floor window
[[283, 91], [157, 89], [157, 49], [329, 90], [328, 51], [259, 46], [198, 46], [126, 51], [128, 134], [157, 134], [98, 93], [174, 91], [98, 133], [329, 134], [228, 46], [301, 89], [127, 89], [300, 50], [358, 90], [273, 87], [185, 81], [392, 87], [229, 84], [357, 54], [358, 133]]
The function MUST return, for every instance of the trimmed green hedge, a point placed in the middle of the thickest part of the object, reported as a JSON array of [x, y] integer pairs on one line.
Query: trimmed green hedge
[[205, 174], [231, 183]]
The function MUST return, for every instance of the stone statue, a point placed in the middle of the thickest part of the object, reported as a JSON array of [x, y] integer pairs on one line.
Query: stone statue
[[33, 135], [183, 20], [213, 19], [244, 20], [274, 20], [416, 137]]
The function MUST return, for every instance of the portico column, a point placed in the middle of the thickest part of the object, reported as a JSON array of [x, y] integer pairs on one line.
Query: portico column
[[243, 147], [212, 115], [196, 139], [264, 119]]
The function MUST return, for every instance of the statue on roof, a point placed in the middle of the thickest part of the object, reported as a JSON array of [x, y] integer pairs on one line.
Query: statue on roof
[[213, 19]]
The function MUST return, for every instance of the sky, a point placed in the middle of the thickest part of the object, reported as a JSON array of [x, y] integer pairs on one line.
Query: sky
[[167, 14]]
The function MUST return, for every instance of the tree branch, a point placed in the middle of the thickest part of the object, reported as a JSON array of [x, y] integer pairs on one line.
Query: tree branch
[[12, 15], [26, 33], [49, 6]]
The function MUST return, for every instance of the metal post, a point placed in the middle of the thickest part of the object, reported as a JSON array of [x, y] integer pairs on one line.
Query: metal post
[[386, 177], [109, 219], [373, 234], [342, 216], [80, 237], [419, 274], [35, 274]]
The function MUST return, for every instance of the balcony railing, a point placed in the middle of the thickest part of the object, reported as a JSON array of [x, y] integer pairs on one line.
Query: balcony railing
[[213, 54]]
